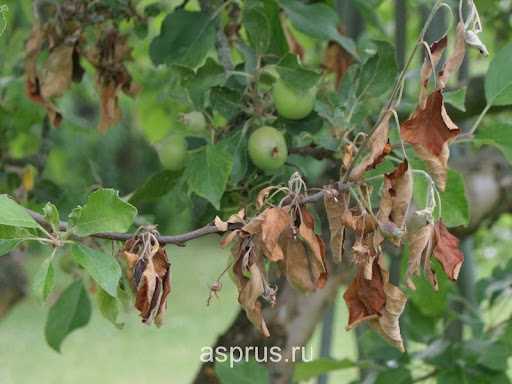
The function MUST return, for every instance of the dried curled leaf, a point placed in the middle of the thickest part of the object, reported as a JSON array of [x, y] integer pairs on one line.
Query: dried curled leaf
[[395, 201], [447, 251], [337, 60], [109, 57], [365, 298], [430, 130], [455, 60], [150, 274], [379, 148], [377, 301], [420, 247], [250, 280], [275, 221], [388, 324], [33, 48], [335, 208], [305, 256], [430, 64]]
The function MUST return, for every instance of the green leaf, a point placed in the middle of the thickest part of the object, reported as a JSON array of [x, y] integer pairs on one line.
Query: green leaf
[[295, 75], [185, 38], [51, 214], [44, 279], [498, 82], [257, 26], [13, 214], [104, 269], [237, 145], [208, 171], [498, 135], [71, 311], [156, 186], [103, 212], [454, 203], [198, 83], [456, 98], [305, 371], [494, 356], [226, 101], [8, 245], [249, 372], [109, 307], [379, 72], [319, 21]]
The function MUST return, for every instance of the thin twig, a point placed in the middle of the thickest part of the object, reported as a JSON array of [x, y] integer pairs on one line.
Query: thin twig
[[192, 235]]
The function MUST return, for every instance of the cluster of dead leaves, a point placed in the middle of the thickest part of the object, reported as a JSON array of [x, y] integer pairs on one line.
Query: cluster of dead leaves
[[281, 236], [148, 270], [64, 39], [371, 297]]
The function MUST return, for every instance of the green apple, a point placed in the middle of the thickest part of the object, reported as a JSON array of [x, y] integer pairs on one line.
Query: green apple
[[267, 149], [172, 152], [194, 121], [292, 104]]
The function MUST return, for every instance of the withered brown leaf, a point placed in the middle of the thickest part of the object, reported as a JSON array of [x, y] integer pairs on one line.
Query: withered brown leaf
[[379, 146], [430, 130], [365, 298], [150, 274], [335, 207], [447, 251], [396, 198], [420, 248]]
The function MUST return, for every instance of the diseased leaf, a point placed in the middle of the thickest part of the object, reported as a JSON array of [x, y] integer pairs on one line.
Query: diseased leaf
[[104, 269], [44, 279], [419, 238], [498, 82], [447, 251], [395, 199], [207, 173], [335, 208], [57, 75], [365, 299], [379, 147], [454, 61], [149, 272], [319, 21], [274, 222], [185, 38], [13, 214], [71, 311], [430, 130], [103, 212]]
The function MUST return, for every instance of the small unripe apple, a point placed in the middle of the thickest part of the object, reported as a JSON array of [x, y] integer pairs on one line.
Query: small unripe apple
[[194, 121], [292, 104], [267, 149], [172, 152]]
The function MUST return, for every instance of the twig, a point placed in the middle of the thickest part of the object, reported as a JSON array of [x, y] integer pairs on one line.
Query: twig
[[183, 238], [313, 151]]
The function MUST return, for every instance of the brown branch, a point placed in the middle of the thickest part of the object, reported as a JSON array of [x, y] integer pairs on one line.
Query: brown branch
[[192, 235]]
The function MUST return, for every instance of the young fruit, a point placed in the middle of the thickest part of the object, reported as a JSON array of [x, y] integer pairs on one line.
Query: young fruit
[[267, 148], [172, 152], [292, 104], [194, 121]]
